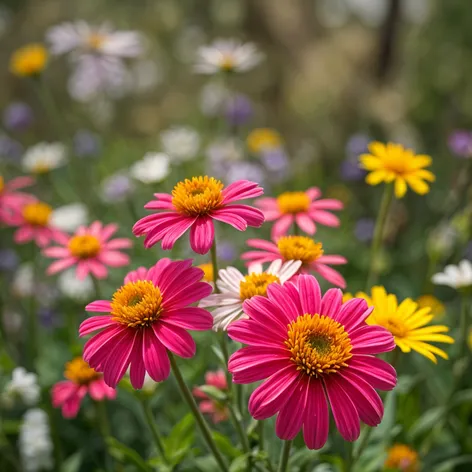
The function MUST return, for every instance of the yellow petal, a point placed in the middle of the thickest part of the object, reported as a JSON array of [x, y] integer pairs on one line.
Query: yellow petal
[[370, 162], [402, 345], [424, 174], [440, 338], [400, 187], [430, 330], [416, 346], [375, 177], [421, 160], [418, 185], [378, 149]]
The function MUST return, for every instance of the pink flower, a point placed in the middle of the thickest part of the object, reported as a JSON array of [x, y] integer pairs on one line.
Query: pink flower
[[90, 249], [149, 314], [194, 204], [217, 411], [11, 201], [297, 248], [302, 208], [82, 379], [312, 351], [34, 221]]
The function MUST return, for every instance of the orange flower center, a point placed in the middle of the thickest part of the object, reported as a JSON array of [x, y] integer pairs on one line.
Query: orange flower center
[[293, 202], [256, 284], [318, 344], [198, 196], [79, 372], [403, 458], [299, 248], [29, 60], [227, 62], [397, 327], [95, 41], [84, 246], [2, 184], [37, 214], [207, 272], [137, 304]]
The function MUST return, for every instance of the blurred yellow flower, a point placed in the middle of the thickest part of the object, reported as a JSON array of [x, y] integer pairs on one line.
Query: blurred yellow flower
[[29, 60], [437, 307], [347, 296], [469, 339], [394, 163], [407, 323], [207, 271], [263, 138], [402, 457]]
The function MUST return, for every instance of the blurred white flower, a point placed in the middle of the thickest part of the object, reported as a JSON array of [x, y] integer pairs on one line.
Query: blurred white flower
[[23, 386], [225, 150], [34, 441], [455, 276], [371, 12], [22, 284], [116, 187], [69, 217], [44, 157], [228, 55], [181, 143], [213, 98], [153, 167], [70, 286]]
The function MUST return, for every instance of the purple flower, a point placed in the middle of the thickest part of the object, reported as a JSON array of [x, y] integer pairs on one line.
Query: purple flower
[[8, 260], [364, 230], [10, 150], [116, 187], [357, 144], [49, 318], [18, 116], [245, 171], [275, 160], [350, 171], [238, 110], [86, 143], [226, 251], [460, 143]]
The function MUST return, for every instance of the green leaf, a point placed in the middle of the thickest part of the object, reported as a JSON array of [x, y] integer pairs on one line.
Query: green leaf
[[127, 455], [385, 427], [225, 446], [214, 393], [450, 464], [427, 421], [240, 464], [464, 396], [11, 426], [180, 439], [72, 463]]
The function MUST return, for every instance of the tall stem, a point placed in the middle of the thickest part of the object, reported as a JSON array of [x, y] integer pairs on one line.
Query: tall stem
[[464, 326], [104, 427], [284, 455], [348, 460], [378, 233], [96, 285], [153, 427], [202, 424], [214, 263], [236, 418], [33, 328]]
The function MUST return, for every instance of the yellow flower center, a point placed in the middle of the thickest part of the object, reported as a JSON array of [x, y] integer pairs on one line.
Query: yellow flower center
[[263, 138], [256, 284], [2, 184], [84, 246], [207, 272], [299, 248], [293, 202], [37, 214], [198, 196], [137, 304], [402, 457], [395, 326], [318, 344], [41, 167], [79, 372], [29, 60], [95, 41], [227, 63]]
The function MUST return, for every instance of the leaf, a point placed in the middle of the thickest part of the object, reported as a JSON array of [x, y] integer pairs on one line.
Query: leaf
[[240, 464], [464, 396], [225, 446], [429, 419], [11, 426], [384, 429], [72, 463], [450, 464], [219, 354], [125, 454], [214, 393], [180, 439]]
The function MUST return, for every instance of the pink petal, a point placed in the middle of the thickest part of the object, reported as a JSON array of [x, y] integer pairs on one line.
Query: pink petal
[[252, 216], [174, 232], [60, 265], [175, 339], [192, 318], [371, 340], [56, 251], [99, 390], [324, 218], [253, 334], [113, 258], [281, 226], [258, 257], [155, 221], [316, 423], [267, 203], [331, 275], [166, 274], [139, 274], [332, 259], [82, 269], [327, 204], [202, 235], [313, 193], [71, 406], [284, 299], [353, 313], [305, 223], [61, 391], [99, 306], [119, 243], [19, 182], [197, 292], [155, 357], [225, 215], [95, 323], [23, 234], [377, 372], [159, 205], [331, 302], [240, 190], [267, 313], [137, 370], [290, 418], [310, 294], [108, 231], [98, 347], [97, 269], [264, 245]]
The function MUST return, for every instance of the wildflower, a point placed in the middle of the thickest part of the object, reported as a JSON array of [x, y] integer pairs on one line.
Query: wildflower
[[181, 143], [235, 288], [460, 143], [147, 315], [262, 139], [455, 276], [226, 251], [407, 323], [350, 171], [18, 116], [301, 208], [239, 110], [403, 458], [356, 145], [207, 272], [237, 171], [435, 305], [34, 441], [195, 204], [71, 286], [301, 248], [227, 55], [9, 260], [90, 249], [224, 151], [213, 98], [81, 379], [311, 350], [394, 163], [10, 149], [116, 188], [364, 229], [23, 386], [86, 143], [29, 60], [69, 217], [44, 157], [11, 201], [152, 168], [208, 405]]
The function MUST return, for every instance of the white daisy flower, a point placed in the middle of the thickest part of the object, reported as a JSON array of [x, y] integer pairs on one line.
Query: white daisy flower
[[236, 287], [213, 98], [228, 55], [455, 276], [69, 217], [71, 287], [44, 157], [153, 167], [23, 386], [181, 143]]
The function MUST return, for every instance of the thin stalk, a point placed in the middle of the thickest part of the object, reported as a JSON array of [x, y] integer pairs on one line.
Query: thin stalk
[[363, 444], [202, 424], [464, 326], [260, 433], [284, 455], [214, 263], [98, 291], [348, 460], [236, 419], [296, 229], [56, 438], [104, 427], [153, 427], [378, 233], [33, 328]]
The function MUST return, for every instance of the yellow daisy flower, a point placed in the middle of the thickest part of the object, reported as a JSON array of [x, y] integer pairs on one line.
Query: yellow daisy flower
[[394, 163], [207, 271], [29, 60], [263, 138], [402, 457], [438, 309], [407, 323]]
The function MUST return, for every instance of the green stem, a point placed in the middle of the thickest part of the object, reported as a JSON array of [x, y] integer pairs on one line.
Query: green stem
[[33, 327], [237, 422], [104, 427], [348, 460], [296, 229], [464, 326], [260, 431], [284, 455], [214, 263], [56, 438], [153, 427], [206, 432], [96, 285], [378, 233], [362, 445]]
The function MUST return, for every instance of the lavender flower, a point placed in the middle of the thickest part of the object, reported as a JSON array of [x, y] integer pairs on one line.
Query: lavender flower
[[238, 110], [460, 143], [10, 150], [116, 187], [87, 144], [350, 171], [8, 260], [18, 116], [357, 145], [226, 251], [364, 230]]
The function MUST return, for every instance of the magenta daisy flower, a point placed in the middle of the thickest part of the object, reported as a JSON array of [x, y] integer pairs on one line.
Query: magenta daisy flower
[[312, 351], [149, 314], [302, 208], [194, 204], [90, 249], [12, 201], [297, 248]]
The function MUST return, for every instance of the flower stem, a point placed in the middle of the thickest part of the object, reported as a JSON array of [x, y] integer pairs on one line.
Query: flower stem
[[378, 233], [33, 327], [104, 426], [348, 460], [237, 422], [296, 229], [153, 427], [96, 285], [464, 326], [214, 263], [206, 432], [284, 455], [260, 431]]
